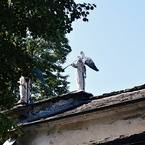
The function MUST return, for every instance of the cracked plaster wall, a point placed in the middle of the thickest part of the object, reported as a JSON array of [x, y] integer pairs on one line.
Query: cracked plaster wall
[[107, 127]]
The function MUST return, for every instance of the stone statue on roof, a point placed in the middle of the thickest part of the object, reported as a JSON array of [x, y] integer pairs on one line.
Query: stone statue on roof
[[80, 73], [79, 64], [24, 88]]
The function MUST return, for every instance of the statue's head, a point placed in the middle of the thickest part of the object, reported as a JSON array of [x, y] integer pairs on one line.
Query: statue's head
[[82, 53], [79, 58]]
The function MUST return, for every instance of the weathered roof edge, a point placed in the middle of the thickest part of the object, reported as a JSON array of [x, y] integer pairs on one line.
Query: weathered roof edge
[[83, 94], [46, 108], [136, 88], [94, 99], [73, 114]]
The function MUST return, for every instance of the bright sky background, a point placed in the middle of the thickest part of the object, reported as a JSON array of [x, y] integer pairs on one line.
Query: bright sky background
[[114, 38]]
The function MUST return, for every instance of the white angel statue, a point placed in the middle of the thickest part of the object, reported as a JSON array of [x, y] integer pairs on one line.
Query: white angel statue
[[80, 73], [24, 88], [81, 70]]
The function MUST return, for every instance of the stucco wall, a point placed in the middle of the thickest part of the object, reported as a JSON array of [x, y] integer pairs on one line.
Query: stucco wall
[[98, 126]]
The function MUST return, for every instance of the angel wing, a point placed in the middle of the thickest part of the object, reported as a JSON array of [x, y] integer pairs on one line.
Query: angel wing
[[88, 61], [39, 75]]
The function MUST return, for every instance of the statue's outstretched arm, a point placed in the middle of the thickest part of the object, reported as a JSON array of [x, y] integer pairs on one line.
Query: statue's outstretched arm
[[74, 65]]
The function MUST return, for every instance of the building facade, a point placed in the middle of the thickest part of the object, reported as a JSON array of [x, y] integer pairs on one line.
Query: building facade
[[116, 118]]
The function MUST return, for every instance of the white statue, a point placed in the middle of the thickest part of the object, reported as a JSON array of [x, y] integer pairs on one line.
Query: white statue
[[79, 64], [80, 73], [24, 89]]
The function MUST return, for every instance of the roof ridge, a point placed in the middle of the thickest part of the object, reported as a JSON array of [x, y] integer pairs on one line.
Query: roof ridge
[[136, 88]]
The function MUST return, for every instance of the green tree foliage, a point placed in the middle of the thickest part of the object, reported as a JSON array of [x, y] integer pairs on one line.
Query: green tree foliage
[[5, 126], [48, 57], [47, 20], [32, 34]]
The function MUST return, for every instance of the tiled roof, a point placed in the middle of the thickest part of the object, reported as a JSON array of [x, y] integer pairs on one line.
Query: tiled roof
[[74, 104], [96, 103], [110, 99]]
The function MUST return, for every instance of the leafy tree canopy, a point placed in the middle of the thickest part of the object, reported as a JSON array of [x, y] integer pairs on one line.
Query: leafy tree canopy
[[46, 22], [32, 34]]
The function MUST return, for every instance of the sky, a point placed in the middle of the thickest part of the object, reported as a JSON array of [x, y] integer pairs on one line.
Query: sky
[[114, 38]]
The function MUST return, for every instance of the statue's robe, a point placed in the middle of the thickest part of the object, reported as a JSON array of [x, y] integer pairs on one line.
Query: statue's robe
[[80, 74]]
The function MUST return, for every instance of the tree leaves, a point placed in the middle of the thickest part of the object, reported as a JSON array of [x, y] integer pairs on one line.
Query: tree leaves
[[45, 23], [32, 34], [7, 125], [42, 18]]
